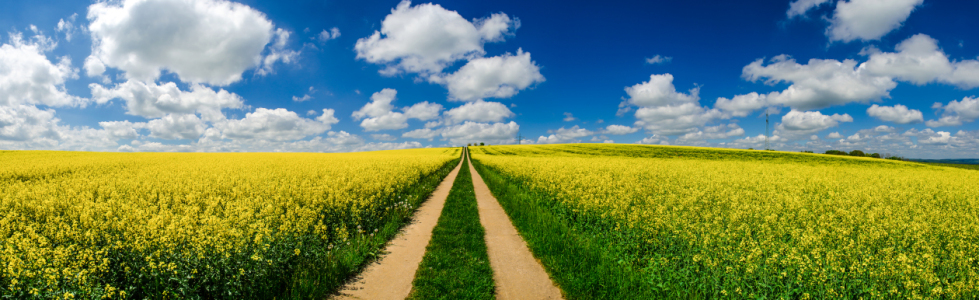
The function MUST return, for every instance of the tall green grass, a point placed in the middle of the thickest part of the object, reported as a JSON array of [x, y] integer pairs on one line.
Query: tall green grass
[[318, 278], [580, 260]]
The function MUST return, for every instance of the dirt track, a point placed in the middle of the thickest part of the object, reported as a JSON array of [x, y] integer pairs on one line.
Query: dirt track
[[517, 273], [391, 276]]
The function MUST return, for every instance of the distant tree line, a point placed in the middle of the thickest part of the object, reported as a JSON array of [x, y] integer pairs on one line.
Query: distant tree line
[[862, 154], [474, 144]]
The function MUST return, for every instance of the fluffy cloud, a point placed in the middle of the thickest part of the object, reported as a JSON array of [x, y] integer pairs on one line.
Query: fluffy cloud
[[956, 112], [151, 100], [474, 132], [479, 111], [800, 7], [920, 61], [305, 96], [423, 111], [742, 105], [380, 104], [122, 129], [834, 135], [654, 139], [714, 132], [885, 129], [23, 123], [797, 124], [564, 135], [939, 138], [818, 84], [659, 91], [823, 83], [569, 117], [898, 114], [325, 35], [201, 41], [25, 127], [68, 27], [28, 77], [426, 38], [619, 130], [492, 77], [758, 141], [675, 119], [658, 59], [389, 121], [868, 19], [379, 112], [177, 126], [665, 111], [422, 133], [383, 137], [275, 125]]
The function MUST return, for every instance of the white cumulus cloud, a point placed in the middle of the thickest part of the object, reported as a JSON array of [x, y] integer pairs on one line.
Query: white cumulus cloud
[[898, 114], [492, 77], [956, 112], [657, 59], [153, 100], [868, 19], [818, 84], [797, 124], [426, 38], [28, 77], [800, 7], [379, 115], [275, 125], [201, 41], [422, 133], [177, 126], [479, 111], [475, 132], [423, 111], [919, 60], [619, 130], [565, 135], [332, 34], [659, 91]]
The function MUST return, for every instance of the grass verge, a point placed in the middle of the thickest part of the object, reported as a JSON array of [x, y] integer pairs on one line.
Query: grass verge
[[318, 278], [581, 261], [456, 265]]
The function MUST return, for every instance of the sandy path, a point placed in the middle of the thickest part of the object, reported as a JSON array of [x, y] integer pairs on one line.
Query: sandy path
[[517, 273], [390, 277]]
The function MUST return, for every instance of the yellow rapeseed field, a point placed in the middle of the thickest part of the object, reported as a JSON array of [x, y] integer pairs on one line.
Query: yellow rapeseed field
[[190, 225], [760, 224]]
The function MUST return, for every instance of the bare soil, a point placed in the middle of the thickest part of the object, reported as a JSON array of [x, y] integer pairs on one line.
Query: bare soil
[[517, 273], [390, 277]]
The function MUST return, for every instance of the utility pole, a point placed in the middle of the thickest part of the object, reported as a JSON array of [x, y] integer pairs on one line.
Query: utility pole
[[519, 138], [766, 130]]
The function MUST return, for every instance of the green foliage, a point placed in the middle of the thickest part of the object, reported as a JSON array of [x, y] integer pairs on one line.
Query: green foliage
[[836, 152], [582, 261], [857, 153], [456, 265]]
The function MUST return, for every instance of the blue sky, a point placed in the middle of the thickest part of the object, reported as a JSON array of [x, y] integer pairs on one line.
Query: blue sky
[[897, 77]]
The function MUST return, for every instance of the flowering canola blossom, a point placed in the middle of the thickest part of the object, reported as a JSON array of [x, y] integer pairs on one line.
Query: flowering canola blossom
[[76, 225], [744, 223]]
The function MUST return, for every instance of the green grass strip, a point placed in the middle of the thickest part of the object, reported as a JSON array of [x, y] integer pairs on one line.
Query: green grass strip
[[456, 265], [319, 279], [583, 264]]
